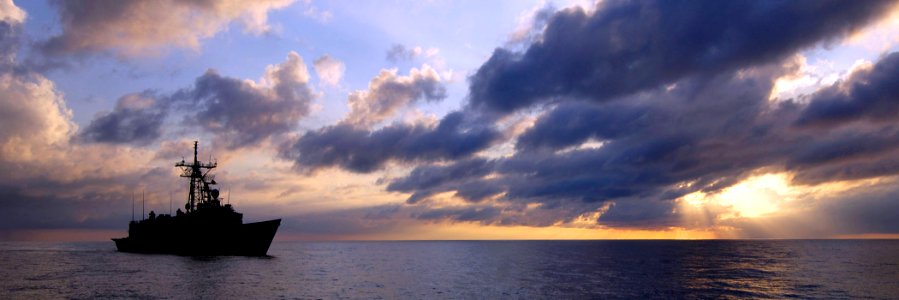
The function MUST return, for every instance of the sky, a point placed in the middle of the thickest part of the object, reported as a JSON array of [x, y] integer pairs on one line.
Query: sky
[[410, 120]]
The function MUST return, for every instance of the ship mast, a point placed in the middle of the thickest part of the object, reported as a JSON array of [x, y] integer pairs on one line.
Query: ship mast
[[198, 189]]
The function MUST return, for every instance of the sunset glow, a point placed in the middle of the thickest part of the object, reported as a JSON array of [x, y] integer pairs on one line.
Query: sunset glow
[[438, 120]]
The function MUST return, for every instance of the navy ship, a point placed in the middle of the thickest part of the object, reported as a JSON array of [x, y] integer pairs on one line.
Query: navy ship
[[206, 228]]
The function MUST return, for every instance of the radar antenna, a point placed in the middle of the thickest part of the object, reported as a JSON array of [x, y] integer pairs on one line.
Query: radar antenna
[[199, 192]]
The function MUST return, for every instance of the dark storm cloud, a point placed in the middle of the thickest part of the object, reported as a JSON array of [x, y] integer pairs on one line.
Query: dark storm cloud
[[532, 31], [427, 180], [628, 46], [675, 92], [243, 114], [651, 213], [137, 118], [853, 125], [573, 123], [702, 134], [704, 130], [845, 146], [871, 95], [886, 164], [363, 150], [466, 214], [431, 176]]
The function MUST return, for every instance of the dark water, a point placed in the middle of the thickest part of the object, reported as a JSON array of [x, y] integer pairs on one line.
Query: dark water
[[463, 270]]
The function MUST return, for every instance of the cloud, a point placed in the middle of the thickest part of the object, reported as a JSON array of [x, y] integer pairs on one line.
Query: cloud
[[239, 113], [861, 209], [10, 13], [34, 118], [48, 181], [425, 181], [11, 18], [575, 123], [353, 146], [329, 69], [700, 134], [647, 102], [22, 210], [463, 214], [311, 11], [869, 94], [363, 150], [388, 93], [72, 193], [345, 223], [173, 150], [243, 112], [137, 118], [398, 53], [638, 104], [531, 25], [139, 27], [628, 46], [8, 45]]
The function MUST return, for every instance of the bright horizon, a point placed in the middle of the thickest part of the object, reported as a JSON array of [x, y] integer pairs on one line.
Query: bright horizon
[[456, 120]]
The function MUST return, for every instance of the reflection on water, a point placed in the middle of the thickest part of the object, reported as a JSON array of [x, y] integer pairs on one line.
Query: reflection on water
[[464, 269]]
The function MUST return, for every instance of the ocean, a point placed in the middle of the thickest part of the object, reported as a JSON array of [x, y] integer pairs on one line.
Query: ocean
[[833, 269]]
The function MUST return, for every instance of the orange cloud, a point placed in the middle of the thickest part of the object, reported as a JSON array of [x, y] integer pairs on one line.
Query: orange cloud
[[139, 27]]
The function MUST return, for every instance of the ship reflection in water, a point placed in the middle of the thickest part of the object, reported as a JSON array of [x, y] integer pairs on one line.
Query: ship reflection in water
[[208, 227]]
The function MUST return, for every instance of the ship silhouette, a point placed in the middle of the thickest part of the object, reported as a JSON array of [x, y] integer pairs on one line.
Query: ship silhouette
[[207, 228]]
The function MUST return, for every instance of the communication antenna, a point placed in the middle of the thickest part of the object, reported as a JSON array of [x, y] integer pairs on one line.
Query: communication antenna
[[132, 206], [143, 203], [170, 203]]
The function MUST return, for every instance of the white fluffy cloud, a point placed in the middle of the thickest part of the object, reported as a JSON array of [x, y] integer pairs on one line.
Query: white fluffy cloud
[[9, 12], [33, 117], [329, 69], [388, 92]]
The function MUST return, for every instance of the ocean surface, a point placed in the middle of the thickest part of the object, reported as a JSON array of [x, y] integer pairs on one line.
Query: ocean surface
[[463, 270]]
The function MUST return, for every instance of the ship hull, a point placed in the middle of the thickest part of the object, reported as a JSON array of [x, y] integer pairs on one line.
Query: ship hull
[[251, 239]]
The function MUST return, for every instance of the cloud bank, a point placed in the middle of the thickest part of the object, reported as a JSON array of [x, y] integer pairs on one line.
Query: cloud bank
[[628, 46], [635, 105], [239, 113], [639, 103]]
